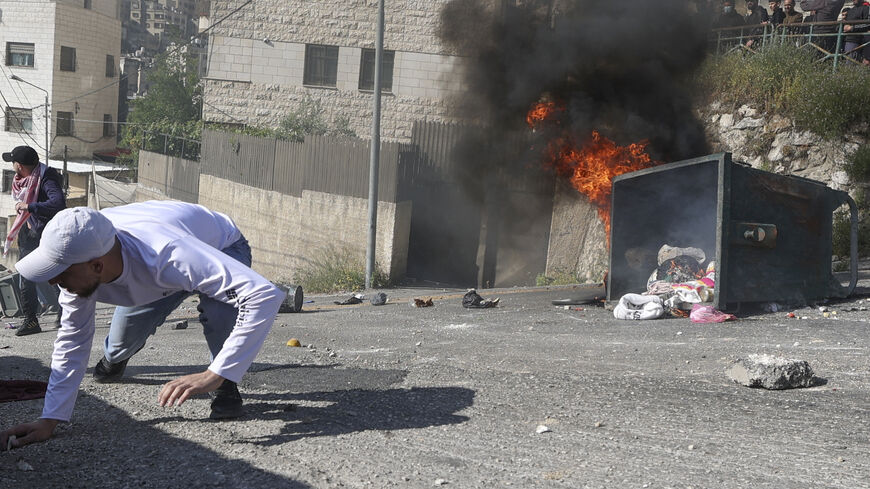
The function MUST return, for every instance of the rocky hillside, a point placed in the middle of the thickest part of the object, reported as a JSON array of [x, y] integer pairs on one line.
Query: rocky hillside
[[772, 143]]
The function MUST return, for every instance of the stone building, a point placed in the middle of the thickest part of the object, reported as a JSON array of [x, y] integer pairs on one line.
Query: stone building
[[75, 69], [272, 55]]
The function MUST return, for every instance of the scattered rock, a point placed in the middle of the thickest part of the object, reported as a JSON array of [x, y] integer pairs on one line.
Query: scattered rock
[[749, 122], [542, 429], [726, 121], [747, 111], [23, 465], [293, 342], [440, 482], [778, 123], [379, 299], [770, 372], [179, 325]]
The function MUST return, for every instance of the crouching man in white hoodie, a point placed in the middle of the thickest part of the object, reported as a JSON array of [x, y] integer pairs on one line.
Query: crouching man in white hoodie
[[146, 258]]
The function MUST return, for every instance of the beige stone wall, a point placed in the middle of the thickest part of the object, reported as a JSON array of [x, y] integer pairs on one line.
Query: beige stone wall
[[101, 37], [256, 62], [286, 233], [578, 243]]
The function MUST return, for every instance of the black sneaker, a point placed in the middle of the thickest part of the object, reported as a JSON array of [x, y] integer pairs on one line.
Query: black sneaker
[[29, 326], [226, 402], [106, 372]]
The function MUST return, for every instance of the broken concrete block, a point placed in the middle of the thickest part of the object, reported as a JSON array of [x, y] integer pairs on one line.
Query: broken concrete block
[[770, 372], [179, 325]]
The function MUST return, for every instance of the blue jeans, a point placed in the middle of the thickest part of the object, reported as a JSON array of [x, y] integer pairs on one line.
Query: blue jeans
[[131, 326]]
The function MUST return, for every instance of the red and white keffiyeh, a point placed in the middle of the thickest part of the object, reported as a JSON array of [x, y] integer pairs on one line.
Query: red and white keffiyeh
[[24, 189]]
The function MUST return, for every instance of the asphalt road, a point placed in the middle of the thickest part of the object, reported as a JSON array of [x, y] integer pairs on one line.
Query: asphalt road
[[397, 396]]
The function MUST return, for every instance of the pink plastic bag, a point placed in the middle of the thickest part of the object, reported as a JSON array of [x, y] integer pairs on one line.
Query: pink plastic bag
[[708, 314]]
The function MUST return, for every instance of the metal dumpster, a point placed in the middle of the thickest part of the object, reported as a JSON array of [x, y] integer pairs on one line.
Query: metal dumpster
[[770, 235]]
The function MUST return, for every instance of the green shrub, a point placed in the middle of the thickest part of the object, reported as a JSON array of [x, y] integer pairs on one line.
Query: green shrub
[[858, 165], [841, 232], [338, 270], [791, 82], [558, 278]]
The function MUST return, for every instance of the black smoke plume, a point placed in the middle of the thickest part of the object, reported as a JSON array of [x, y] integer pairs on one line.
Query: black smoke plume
[[621, 68]]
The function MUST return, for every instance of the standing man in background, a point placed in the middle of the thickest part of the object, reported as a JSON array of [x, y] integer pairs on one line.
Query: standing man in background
[[38, 192]]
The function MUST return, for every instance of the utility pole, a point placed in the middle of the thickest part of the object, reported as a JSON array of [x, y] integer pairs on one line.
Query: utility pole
[[376, 149]]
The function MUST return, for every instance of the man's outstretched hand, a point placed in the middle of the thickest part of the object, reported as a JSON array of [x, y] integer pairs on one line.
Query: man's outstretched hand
[[27, 433], [175, 392]]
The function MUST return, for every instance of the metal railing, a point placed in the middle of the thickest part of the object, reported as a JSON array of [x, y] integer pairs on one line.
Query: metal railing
[[167, 144], [826, 38]]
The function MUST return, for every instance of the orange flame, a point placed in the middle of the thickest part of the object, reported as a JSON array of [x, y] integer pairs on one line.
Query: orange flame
[[592, 167], [542, 111]]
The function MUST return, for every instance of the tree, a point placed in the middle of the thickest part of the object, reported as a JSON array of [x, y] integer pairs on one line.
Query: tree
[[172, 104]]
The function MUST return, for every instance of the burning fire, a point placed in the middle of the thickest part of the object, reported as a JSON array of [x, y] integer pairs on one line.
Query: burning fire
[[591, 167]]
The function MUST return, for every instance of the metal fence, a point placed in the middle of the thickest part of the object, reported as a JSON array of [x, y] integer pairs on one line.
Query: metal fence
[[825, 38], [330, 164], [174, 177], [167, 144]]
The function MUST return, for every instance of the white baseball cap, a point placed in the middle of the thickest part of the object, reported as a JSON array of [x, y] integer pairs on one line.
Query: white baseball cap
[[74, 235]]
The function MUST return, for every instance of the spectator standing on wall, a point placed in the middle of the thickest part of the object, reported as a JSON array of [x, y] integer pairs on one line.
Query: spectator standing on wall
[[791, 16], [777, 15], [146, 258], [755, 15], [729, 17], [860, 11], [38, 192], [824, 11]]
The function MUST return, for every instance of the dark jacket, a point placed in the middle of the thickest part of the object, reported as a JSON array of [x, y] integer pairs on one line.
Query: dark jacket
[[826, 11], [777, 16], [861, 12], [756, 16], [50, 200], [731, 19]]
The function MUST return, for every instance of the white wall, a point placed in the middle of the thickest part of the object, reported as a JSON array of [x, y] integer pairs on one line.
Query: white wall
[[16, 25], [94, 33]]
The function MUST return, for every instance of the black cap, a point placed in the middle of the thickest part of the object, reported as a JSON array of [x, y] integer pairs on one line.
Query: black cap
[[24, 155]]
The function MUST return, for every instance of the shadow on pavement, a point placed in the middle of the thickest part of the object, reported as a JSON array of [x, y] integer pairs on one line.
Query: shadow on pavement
[[104, 447], [334, 401], [349, 411]]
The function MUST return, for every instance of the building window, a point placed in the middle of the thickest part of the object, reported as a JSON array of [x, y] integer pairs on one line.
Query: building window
[[19, 54], [158, 25], [108, 127], [135, 15], [18, 120], [110, 66], [148, 25], [67, 58], [367, 70], [158, 16], [64, 123], [87, 4], [321, 65]]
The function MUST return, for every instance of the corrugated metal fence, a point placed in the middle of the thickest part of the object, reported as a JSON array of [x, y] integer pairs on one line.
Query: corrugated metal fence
[[174, 177], [320, 163], [332, 164]]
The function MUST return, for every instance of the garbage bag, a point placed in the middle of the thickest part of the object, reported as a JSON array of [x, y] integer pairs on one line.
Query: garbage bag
[[471, 300], [708, 314], [354, 299], [636, 306]]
